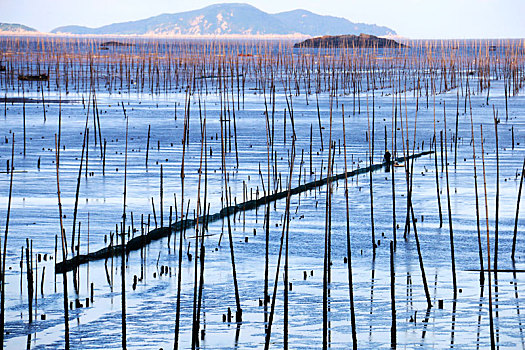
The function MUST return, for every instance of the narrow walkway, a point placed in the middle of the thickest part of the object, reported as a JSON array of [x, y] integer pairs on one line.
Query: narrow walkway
[[141, 241]]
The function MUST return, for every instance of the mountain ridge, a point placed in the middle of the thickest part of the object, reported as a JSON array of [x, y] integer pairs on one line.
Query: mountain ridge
[[232, 19], [15, 28]]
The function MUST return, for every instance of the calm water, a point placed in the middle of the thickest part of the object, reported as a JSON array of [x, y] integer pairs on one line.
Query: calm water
[[462, 323]]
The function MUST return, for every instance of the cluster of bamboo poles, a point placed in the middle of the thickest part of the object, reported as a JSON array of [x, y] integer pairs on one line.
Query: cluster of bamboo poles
[[155, 66], [425, 70]]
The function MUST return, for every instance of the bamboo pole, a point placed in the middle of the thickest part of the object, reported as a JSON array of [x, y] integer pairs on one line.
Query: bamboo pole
[[436, 164], [491, 320], [286, 223], [179, 274], [64, 253], [348, 244], [327, 238], [371, 163], [4, 253], [393, 328], [478, 226], [517, 212], [496, 215], [123, 243], [451, 231]]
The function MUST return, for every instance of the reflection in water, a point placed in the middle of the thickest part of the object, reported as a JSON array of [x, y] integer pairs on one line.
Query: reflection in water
[[372, 279], [496, 304], [393, 329], [435, 286], [518, 313], [237, 333], [425, 324], [452, 333], [28, 346], [410, 299], [329, 301], [480, 314], [152, 305]]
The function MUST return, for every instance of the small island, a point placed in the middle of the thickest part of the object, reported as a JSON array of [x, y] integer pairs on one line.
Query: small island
[[107, 44], [348, 41]]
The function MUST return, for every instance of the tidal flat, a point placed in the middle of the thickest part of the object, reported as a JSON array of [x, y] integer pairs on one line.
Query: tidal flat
[[142, 135]]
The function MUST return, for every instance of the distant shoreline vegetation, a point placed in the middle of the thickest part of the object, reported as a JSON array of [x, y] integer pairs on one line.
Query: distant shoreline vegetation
[[349, 41]]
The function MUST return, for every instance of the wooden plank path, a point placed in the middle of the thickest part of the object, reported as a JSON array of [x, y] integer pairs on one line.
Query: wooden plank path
[[141, 241]]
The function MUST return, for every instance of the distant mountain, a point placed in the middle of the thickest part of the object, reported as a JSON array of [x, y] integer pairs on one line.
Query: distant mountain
[[306, 22], [14, 27], [239, 19]]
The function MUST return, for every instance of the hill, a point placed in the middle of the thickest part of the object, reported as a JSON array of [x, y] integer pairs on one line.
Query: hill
[[236, 19], [340, 41], [312, 24], [15, 28]]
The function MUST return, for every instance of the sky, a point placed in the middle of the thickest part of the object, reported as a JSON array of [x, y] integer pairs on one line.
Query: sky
[[415, 19]]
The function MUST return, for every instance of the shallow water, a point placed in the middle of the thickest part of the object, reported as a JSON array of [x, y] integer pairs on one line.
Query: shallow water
[[462, 323]]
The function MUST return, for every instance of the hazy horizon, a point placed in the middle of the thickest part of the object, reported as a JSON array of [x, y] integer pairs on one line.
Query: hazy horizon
[[413, 19]]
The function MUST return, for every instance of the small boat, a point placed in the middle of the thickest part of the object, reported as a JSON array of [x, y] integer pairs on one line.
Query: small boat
[[41, 77]]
